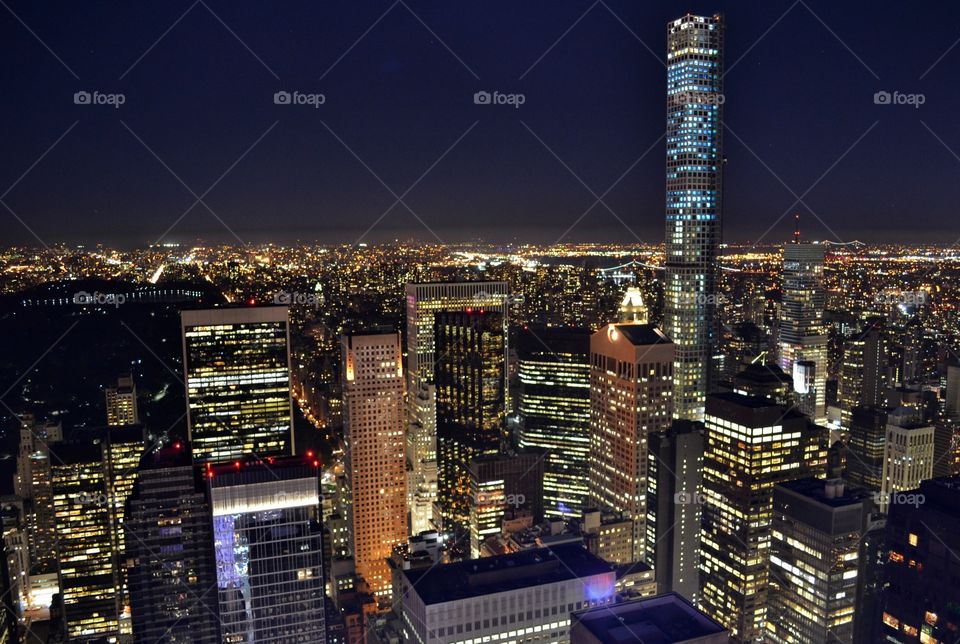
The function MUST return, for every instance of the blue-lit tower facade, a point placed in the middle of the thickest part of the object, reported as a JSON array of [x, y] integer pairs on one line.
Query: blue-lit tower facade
[[693, 203]]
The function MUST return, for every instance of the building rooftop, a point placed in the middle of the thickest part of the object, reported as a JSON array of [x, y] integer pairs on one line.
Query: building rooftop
[[655, 620], [827, 492], [639, 334], [477, 577]]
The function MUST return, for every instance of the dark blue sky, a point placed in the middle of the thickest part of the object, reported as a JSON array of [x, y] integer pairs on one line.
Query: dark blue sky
[[201, 96]]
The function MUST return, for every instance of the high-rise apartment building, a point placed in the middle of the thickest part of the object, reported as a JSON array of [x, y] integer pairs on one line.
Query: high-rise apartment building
[[32, 484], [920, 595], [526, 596], [817, 530], [908, 455], [470, 378], [752, 444], [373, 421], [121, 402], [803, 331], [674, 484], [694, 205], [631, 393], [173, 572], [554, 407], [269, 550], [237, 371]]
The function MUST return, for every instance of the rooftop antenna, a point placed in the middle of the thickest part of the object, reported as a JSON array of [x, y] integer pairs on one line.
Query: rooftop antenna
[[796, 229]]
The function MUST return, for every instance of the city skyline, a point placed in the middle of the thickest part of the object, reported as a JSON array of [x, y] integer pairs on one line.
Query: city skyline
[[697, 437]]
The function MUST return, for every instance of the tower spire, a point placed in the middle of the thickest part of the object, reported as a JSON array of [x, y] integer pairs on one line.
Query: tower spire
[[796, 228]]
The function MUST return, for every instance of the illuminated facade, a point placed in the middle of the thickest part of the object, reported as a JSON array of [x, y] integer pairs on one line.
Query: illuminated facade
[[122, 402], [470, 378], [422, 457], [554, 406], [91, 480], [693, 203], [817, 529], [908, 454], [373, 420], [866, 445], [920, 594], [674, 483], [503, 482], [526, 596], [803, 332], [172, 554], [752, 444], [269, 550], [631, 393], [32, 485], [237, 370]]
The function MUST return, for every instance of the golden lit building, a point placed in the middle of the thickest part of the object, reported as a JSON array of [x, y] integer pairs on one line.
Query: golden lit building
[[751, 445], [631, 396], [122, 402], [373, 415]]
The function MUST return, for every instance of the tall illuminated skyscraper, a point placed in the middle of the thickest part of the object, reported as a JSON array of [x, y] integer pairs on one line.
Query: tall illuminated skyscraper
[[752, 444], [803, 333], [631, 393], [32, 486], [554, 370], [269, 550], [373, 422], [237, 369], [470, 377], [694, 203], [863, 371], [422, 458]]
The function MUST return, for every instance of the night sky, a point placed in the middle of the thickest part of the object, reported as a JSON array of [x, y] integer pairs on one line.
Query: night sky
[[399, 120]]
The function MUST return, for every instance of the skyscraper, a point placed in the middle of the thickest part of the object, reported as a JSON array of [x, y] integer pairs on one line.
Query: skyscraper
[[554, 406], [866, 446], [694, 205], [470, 378], [91, 479], [424, 301], [908, 454], [814, 555], [269, 550], [373, 421], [803, 333], [422, 457], [674, 483], [863, 371], [122, 402], [751, 445], [236, 365], [32, 484], [173, 568], [631, 393]]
